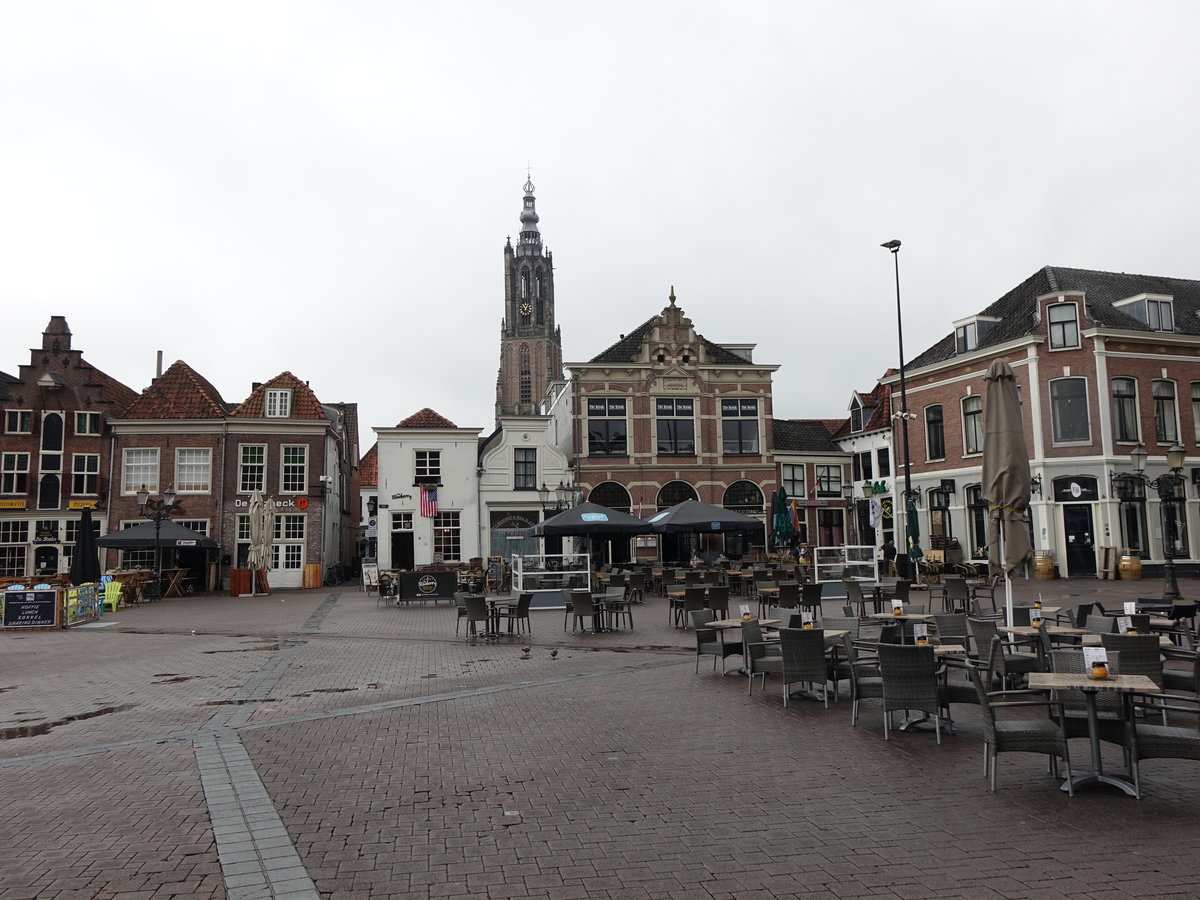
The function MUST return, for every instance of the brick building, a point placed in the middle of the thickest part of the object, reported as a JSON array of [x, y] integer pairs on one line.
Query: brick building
[[665, 415], [55, 451], [280, 440], [1105, 362]]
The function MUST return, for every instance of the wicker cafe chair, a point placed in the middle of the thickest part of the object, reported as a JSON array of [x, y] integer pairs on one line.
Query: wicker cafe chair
[[909, 682], [477, 612], [718, 600], [1017, 664], [693, 598], [709, 641], [863, 670], [1182, 679], [1038, 734], [761, 658], [584, 613], [854, 596], [1110, 707], [519, 613], [568, 598], [460, 601], [803, 653], [810, 597], [1164, 741]]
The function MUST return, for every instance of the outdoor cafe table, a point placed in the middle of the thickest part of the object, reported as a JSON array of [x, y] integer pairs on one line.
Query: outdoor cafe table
[[174, 579], [1123, 684], [1054, 631], [1093, 640]]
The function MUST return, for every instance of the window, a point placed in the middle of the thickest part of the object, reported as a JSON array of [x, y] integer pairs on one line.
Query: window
[[972, 412], [1068, 410], [295, 469], [18, 421], [525, 469], [977, 520], [968, 334], [140, 467], [73, 530], [402, 521], [289, 528], [252, 468], [793, 480], [744, 497], [526, 377], [676, 426], [279, 403], [193, 470], [829, 481], [935, 434], [14, 475], [87, 423], [607, 434], [428, 468], [447, 537], [885, 462], [860, 415], [1165, 423], [860, 466], [612, 495], [1125, 412], [85, 474], [739, 425], [12, 562], [673, 493], [200, 526], [1153, 310], [1063, 320], [1196, 410]]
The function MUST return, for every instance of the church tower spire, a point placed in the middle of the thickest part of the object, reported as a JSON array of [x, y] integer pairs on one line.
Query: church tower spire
[[530, 344]]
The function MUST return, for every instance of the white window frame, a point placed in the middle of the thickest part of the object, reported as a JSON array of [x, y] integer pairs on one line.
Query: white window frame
[[790, 483], [661, 416], [427, 466], [1087, 407], [89, 419], [525, 471], [243, 468], [9, 415], [278, 403], [1116, 419], [1060, 326], [402, 521], [1173, 435], [447, 534], [87, 472], [972, 422], [14, 465], [1196, 410], [286, 469], [1140, 308], [181, 467], [150, 482], [593, 412]]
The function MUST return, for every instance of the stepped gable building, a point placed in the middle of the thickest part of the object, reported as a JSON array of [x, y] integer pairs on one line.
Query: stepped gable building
[[54, 453], [1106, 362], [530, 342], [664, 415], [280, 440]]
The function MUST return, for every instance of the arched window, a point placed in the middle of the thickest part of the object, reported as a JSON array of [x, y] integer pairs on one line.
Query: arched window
[[525, 284], [537, 284], [48, 492], [744, 497], [612, 495], [674, 492]]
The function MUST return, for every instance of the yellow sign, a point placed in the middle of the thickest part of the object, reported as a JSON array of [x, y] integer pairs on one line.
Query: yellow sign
[[80, 504], [12, 504]]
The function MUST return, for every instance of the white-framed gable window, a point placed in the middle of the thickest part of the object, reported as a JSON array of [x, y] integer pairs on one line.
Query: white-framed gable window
[[139, 468], [87, 423], [1062, 323], [193, 470], [969, 333], [1157, 311], [279, 403], [860, 414]]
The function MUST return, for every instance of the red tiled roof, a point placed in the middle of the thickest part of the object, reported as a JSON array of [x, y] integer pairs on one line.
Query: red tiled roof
[[368, 467], [426, 418], [305, 404], [178, 393]]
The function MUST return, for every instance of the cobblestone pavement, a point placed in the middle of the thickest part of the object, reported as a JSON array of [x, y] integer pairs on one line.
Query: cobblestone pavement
[[314, 743]]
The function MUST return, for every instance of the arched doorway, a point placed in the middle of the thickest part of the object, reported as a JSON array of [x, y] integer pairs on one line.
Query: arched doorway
[[614, 496], [676, 548], [747, 498]]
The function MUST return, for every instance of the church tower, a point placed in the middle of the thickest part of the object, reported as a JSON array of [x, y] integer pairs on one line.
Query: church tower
[[530, 343]]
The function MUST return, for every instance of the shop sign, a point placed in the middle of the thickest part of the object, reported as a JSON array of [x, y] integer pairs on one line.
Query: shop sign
[[30, 609], [12, 504], [82, 504]]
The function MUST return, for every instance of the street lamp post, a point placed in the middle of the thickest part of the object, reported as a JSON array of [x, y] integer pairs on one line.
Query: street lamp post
[[1167, 485], [851, 509], [903, 415], [157, 510]]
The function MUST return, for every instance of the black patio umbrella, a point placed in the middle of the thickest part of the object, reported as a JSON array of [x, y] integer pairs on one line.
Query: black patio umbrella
[[692, 516], [85, 560], [589, 519], [170, 534]]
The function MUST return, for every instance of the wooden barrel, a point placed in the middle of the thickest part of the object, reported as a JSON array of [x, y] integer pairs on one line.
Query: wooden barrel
[[1130, 565], [1043, 565]]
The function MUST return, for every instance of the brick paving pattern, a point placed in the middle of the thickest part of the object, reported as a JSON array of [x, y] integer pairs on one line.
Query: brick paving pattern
[[314, 743]]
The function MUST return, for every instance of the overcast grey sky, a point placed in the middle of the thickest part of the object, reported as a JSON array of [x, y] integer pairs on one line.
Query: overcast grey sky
[[327, 187]]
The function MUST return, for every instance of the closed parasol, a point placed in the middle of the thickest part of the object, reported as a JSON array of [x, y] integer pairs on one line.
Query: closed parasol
[[85, 560], [1005, 486], [262, 534]]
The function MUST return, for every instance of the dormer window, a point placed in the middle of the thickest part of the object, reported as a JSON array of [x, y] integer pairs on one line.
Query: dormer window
[[1153, 310], [860, 415], [969, 333], [279, 403], [1062, 320]]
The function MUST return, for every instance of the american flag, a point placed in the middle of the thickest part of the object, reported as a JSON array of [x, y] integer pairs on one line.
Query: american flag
[[428, 502]]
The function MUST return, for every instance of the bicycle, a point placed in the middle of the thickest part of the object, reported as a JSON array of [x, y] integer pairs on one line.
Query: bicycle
[[334, 574]]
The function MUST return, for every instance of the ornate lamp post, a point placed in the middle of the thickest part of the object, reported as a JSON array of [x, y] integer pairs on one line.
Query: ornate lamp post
[[851, 509], [157, 510], [1167, 485], [903, 415], [562, 497]]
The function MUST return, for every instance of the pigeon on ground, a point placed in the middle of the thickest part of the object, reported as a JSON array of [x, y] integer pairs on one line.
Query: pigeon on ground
[[554, 654], [526, 650]]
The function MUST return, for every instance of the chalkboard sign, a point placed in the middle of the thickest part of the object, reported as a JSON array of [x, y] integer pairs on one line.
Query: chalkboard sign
[[30, 609], [495, 568]]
